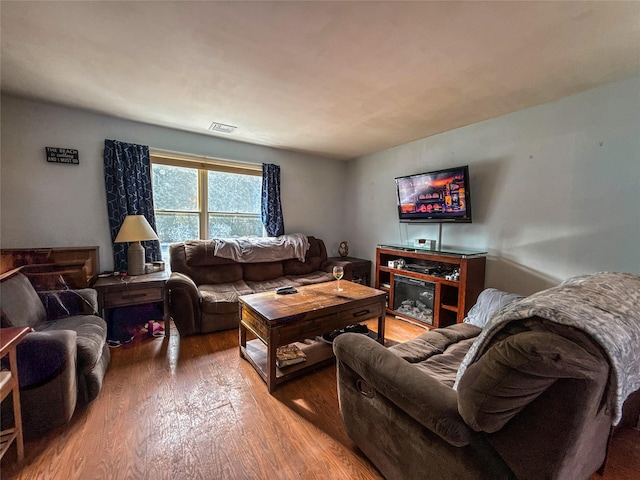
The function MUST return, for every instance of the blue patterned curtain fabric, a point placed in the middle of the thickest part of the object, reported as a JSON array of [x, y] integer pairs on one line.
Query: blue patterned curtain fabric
[[127, 177], [271, 206]]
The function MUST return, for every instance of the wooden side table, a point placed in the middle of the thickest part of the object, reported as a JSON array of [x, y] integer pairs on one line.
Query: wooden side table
[[116, 292], [361, 269], [9, 339]]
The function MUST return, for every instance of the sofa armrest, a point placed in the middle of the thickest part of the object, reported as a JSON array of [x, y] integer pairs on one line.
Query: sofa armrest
[[425, 399], [327, 266], [184, 302], [48, 381], [43, 355]]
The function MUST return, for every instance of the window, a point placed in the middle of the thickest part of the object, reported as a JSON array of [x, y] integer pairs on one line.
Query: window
[[204, 198]]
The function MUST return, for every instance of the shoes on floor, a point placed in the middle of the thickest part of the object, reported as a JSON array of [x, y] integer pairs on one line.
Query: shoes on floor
[[356, 328], [329, 337], [121, 339], [155, 329]]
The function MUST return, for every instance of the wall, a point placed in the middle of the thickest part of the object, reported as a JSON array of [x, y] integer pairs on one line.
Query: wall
[[555, 189], [48, 205]]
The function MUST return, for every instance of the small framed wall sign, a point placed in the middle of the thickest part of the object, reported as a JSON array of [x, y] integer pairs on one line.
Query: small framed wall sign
[[62, 155]]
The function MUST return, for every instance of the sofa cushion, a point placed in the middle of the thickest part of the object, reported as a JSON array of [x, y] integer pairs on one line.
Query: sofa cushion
[[222, 298], [515, 371], [444, 367], [19, 303], [294, 266], [199, 253], [434, 342], [439, 352], [257, 272], [215, 274], [317, 276], [91, 334]]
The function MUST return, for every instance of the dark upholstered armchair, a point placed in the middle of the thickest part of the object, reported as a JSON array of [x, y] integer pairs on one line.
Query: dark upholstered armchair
[[62, 362]]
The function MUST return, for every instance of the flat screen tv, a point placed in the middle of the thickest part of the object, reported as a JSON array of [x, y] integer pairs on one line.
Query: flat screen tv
[[439, 196]]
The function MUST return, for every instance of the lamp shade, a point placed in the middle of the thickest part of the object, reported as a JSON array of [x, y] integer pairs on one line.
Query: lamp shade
[[135, 228]]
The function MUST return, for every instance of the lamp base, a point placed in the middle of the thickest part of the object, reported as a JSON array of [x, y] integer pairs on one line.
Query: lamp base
[[135, 259]]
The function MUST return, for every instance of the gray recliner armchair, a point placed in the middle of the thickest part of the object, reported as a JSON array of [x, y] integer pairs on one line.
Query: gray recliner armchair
[[62, 362]]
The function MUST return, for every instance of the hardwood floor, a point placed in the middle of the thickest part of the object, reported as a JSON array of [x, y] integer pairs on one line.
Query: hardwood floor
[[192, 409]]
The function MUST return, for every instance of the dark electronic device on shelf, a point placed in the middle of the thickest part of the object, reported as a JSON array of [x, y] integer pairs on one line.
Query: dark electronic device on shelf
[[413, 267], [435, 270]]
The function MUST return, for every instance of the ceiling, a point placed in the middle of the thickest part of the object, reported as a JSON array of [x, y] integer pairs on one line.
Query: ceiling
[[336, 79]]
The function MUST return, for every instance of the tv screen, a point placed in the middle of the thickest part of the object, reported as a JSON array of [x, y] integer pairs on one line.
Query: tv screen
[[439, 196]]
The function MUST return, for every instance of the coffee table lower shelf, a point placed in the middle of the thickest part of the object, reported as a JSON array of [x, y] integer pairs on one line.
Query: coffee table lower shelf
[[318, 355]]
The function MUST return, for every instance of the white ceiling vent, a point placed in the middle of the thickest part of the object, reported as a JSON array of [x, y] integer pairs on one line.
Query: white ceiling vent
[[222, 128]]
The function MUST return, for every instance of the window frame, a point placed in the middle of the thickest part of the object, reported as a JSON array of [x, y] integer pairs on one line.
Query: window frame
[[203, 165]]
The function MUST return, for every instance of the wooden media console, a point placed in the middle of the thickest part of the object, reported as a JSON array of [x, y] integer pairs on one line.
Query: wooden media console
[[452, 280]]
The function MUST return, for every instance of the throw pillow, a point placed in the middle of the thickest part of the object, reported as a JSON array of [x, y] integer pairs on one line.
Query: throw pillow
[[489, 302]]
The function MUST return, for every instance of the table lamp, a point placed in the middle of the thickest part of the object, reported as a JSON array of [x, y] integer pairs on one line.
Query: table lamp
[[135, 229]]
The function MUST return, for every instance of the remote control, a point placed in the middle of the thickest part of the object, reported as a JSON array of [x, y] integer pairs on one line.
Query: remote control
[[285, 290]]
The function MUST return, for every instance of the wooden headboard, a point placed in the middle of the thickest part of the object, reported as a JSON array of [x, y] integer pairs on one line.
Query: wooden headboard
[[53, 268]]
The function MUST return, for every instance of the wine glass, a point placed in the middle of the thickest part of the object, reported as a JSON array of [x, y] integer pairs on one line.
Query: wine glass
[[338, 273]]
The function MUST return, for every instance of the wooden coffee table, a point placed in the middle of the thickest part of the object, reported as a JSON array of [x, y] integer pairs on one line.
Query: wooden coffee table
[[278, 320]]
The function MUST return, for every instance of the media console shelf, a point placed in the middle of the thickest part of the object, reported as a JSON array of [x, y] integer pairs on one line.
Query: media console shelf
[[451, 299]]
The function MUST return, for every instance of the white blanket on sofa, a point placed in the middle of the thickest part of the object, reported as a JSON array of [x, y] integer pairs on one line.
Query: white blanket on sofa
[[604, 305], [262, 249]]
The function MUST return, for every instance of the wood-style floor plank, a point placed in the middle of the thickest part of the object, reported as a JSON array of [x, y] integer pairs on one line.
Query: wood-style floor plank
[[191, 408]]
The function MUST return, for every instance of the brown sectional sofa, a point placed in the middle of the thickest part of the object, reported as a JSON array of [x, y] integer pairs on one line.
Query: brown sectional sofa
[[204, 289], [537, 399]]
